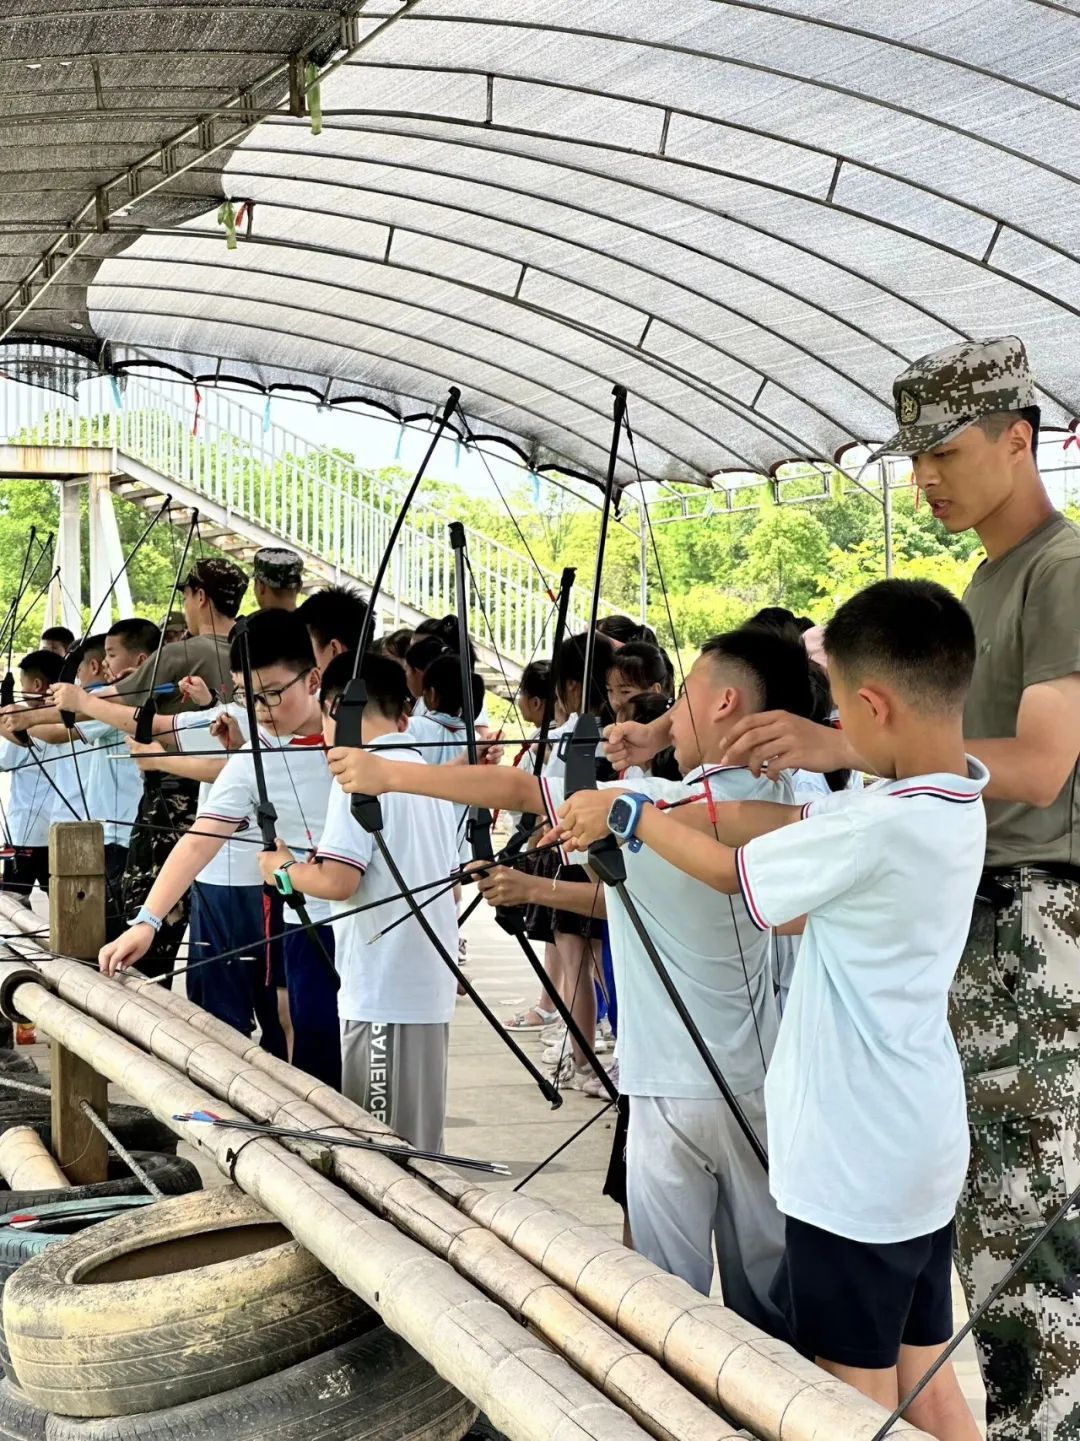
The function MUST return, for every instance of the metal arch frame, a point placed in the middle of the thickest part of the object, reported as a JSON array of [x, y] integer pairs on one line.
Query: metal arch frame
[[839, 158], [873, 285], [857, 215], [794, 77], [96, 211], [410, 365], [708, 392], [578, 326], [680, 244], [428, 340]]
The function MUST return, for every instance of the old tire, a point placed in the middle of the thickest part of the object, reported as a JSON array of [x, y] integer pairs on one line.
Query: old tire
[[16, 1063], [374, 1388], [171, 1174], [131, 1316], [133, 1126], [20, 1419], [58, 1220]]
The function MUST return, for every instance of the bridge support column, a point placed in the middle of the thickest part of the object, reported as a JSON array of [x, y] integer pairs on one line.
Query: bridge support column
[[106, 555], [69, 556]]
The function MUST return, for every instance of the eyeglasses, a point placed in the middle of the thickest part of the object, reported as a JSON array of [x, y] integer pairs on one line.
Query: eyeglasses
[[269, 699]]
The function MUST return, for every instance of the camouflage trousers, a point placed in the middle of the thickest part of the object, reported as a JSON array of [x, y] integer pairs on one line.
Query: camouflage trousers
[[165, 812], [1015, 1013]]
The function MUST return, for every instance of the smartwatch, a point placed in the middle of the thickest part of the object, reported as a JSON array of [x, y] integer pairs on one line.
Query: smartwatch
[[624, 815], [147, 918], [281, 879]]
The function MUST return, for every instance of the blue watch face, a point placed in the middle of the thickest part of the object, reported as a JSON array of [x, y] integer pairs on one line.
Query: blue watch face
[[620, 816]]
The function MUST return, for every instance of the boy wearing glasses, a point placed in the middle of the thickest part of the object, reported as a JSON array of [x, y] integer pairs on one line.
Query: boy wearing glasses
[[298, 784]]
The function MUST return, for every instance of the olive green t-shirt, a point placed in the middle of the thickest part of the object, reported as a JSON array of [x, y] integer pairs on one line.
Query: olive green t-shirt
[[206, 656], [1025, 606]]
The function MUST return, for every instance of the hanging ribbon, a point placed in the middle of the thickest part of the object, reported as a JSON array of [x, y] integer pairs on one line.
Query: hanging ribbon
[[195, 417], [227, 216], [400, 440], [117, 393], [313, 90], [266, 415]]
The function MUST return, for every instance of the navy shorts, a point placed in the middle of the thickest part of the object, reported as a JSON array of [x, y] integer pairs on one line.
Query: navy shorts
[[856, 1302]]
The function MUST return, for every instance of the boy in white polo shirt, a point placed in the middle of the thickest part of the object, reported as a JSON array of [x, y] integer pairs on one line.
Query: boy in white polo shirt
[[865, 1094], [692, 1179], [397, 996], [298, 783]]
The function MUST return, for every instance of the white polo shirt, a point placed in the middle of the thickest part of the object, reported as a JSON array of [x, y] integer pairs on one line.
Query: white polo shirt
[[717, 958], [112, 781], [298, 781], [867, 1120], [394, 978], [30, 800], [237, 863]]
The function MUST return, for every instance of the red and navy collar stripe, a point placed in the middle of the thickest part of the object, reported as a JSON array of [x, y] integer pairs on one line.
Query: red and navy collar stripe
[[956, 798]]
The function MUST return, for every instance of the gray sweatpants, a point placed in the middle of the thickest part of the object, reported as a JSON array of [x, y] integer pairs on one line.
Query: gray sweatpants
[[398, 1073], [692, 1179]]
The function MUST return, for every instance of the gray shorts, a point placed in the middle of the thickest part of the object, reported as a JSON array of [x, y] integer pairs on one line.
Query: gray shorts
[[397, 1072]]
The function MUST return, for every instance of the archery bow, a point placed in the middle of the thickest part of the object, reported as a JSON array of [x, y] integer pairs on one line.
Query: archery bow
[[579, 749], [478, 825], [367, 811], [266, 812]]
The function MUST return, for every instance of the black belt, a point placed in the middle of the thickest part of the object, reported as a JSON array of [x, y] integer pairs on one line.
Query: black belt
[[998, 890]]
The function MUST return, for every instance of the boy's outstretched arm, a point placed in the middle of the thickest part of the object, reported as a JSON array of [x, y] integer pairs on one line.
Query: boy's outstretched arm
[[495, 787], [737, 822], [183, 864], [325, 880]]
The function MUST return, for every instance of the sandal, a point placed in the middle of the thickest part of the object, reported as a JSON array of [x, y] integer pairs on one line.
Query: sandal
[[521, 1021]]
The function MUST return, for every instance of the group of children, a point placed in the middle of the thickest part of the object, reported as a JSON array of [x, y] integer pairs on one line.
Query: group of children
[[854, 1085]]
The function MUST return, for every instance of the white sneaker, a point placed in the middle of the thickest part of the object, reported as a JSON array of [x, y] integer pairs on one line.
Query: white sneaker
[[554, 1054], [553, 1034], [583, 1078], [594, 1087], [603, 1044]]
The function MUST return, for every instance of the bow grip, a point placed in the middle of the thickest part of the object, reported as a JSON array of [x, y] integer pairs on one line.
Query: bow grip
[[578, 752], [366, 810]]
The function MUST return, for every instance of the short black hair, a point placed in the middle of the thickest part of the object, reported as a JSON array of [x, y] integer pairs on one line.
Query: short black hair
[[59, 633], [443, 678], [536, 681], [45, 664], [136, 635], [275, 637], [568, 668], [93, 645], [774, 663], [383, 677], [997, 423], [774, 615], [423, 651], [624, 630], [646, 708], [644, 666], [337, 612], [913, 634]]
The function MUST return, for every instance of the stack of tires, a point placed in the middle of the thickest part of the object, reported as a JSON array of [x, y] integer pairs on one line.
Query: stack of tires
[[200, 1317]]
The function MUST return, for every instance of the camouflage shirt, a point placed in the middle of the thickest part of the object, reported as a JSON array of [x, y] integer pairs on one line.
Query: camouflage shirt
[[1025, 606]]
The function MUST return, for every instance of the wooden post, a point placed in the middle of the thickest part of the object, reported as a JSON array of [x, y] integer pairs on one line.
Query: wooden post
[[77, 928]]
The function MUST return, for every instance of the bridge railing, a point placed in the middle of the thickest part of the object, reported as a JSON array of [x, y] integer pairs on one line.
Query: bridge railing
[[320, 502]]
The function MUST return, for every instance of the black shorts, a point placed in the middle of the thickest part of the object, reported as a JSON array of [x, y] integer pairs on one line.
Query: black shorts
[[856, 1302]]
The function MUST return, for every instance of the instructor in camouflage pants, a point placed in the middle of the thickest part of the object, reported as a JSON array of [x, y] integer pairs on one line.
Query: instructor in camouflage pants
[[968, 415]]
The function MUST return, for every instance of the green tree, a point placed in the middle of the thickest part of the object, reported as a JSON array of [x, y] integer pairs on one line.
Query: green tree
[[785, 557]]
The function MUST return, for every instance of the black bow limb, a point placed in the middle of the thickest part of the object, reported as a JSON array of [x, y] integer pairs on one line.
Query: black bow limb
[[367, 811], [578, 750], [478, 825], [266, 815]]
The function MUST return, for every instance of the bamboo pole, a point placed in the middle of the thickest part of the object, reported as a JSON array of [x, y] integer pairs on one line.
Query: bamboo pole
[[762, 1383], [528, 1391], [632, 1380], [26, 1165]]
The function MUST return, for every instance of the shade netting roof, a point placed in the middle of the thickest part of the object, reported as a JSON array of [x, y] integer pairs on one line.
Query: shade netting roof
[[751, 215]]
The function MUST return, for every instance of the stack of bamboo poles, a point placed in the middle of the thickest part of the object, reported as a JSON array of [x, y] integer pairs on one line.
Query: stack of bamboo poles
[[551, 1327]]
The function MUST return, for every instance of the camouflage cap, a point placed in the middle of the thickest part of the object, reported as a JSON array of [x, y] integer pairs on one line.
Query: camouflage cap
[[281, 569], [943, 393], [222, 580]]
